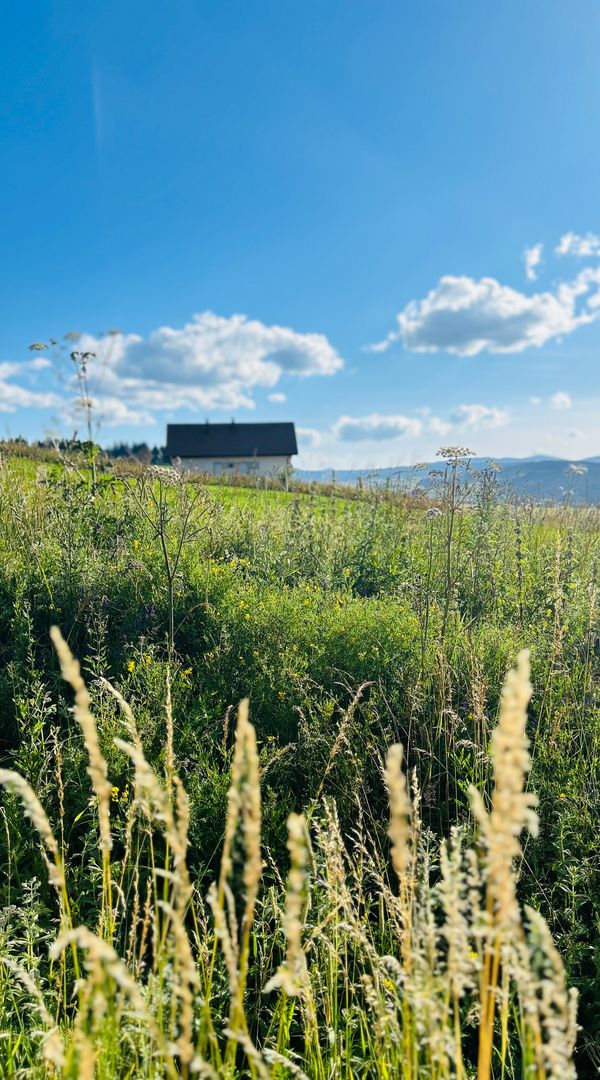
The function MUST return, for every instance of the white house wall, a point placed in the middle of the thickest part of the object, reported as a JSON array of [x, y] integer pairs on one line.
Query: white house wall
[[246, 466]]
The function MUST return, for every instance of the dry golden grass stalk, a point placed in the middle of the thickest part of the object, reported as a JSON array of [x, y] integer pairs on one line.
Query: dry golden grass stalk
[[556, 1004], [254, 1056], [456, 929], [226, 932], [292, 975], [52, 1045], [99, 952], [97, 769], [250, 807], [125, 707], [400, 831], [157, 804], [272, 1057], [244, 810], [243, 819], [152, 797], [185, 982], [34, 810], [97, 1000], [411, 1005], [512, 808], [341, 737], [512, 811]]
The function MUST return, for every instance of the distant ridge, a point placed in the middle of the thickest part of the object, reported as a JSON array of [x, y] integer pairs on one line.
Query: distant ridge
[[541, 477]]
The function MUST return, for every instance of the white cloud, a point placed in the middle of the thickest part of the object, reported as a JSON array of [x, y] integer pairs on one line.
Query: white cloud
[[359, 441], [375, 426], [535, 401], [437, 426], [494, 432], [277, 398], [112, 411], [532, 258], [210, 362], [309, 436], [582, 246], [13, 396], [480, 416], [25, 367], [378, 427], [560, 400], [465, 317], [107, 411]]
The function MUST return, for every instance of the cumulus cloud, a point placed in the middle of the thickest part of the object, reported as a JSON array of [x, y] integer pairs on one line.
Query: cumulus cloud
[[13, 396], [111, 411], [480, 416], [465, 317], [210, 362], [378, 427], [25, 368], [532, 258], [438, 426], [309, 436], [582, 246], [560, 400], [277, 398], [375, 426]]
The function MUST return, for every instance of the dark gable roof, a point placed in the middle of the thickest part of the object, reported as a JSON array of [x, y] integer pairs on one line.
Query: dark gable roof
[[231, 440]]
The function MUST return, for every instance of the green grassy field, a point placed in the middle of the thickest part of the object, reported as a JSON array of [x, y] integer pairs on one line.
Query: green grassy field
[[352, 624]]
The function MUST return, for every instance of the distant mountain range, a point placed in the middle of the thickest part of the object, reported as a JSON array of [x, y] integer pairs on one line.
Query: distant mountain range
[[543, 478]]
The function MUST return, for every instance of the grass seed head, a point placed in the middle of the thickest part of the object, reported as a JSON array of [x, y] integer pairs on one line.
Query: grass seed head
[[97, 768]]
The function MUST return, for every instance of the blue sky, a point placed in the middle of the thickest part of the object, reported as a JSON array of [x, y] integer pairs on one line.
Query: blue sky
[[315, 211]]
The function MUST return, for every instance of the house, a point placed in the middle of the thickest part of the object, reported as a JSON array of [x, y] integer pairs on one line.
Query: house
[[251, 449]]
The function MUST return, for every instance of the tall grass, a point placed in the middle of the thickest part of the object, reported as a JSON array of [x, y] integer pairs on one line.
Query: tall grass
[[352, 624], [420, 965]]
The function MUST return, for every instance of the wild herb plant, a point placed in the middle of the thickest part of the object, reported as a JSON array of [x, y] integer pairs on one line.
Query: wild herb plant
[[176, 514]]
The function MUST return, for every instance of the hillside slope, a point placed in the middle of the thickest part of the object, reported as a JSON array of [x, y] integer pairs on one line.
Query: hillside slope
[[542, 478]]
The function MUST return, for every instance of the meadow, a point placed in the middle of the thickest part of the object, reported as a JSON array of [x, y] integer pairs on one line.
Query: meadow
[[279, 817]]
